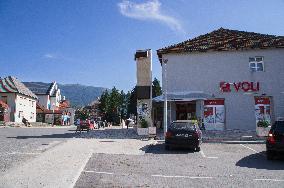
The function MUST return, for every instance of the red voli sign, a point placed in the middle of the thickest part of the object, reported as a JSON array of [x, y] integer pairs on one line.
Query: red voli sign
[[239, 86]]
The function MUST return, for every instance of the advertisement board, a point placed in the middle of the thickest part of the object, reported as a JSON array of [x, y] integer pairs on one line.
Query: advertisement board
[[214, 114], [262, 115]]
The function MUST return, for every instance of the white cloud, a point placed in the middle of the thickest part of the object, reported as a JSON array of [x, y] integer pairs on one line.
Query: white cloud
[[49, 56], [150, 10]]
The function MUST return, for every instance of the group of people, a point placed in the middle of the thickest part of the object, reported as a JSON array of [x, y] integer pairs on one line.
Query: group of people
[[65, 118]]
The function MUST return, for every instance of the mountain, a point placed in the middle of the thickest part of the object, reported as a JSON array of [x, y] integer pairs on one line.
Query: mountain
[[80, 95], [77, 94]]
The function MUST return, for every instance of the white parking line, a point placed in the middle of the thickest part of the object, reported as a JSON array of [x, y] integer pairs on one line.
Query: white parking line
[[204, 156], [253, 150], [190, 177], [249, 148], [22, 153], [267, 180], [91, 171]]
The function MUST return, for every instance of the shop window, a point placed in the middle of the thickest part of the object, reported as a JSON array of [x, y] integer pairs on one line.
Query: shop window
[[256, 64]]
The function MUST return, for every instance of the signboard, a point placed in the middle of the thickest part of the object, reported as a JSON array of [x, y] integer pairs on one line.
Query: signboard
[[214, 114], [239, 86], [262, 115]]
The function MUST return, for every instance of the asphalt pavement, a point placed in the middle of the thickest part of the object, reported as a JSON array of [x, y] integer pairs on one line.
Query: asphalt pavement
[[216, 165], [19, 145]]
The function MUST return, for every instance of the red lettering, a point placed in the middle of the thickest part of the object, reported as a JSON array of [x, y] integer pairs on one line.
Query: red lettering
[[253, 88], [246, 86], [225, 87], [237, 86]]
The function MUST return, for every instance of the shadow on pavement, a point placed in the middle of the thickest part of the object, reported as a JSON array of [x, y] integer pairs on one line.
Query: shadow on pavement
[[65, 135], [160, 149], [259, 161], [93, 134]]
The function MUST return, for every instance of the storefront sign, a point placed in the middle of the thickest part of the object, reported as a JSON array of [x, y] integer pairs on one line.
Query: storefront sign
[[214, 114], [239, 86], [262, 115]]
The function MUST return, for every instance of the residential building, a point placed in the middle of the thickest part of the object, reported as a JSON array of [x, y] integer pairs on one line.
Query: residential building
[[21, 100], [49, 95], [230, 79]]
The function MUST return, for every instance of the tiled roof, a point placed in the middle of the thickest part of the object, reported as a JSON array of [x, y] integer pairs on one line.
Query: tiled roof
[[225, 40], [40, 88], [11, 84]]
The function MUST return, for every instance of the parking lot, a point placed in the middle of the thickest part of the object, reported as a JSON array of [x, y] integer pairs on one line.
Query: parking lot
[[216, 165]]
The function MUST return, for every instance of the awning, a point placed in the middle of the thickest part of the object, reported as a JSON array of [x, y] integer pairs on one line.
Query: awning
[[184, 96]]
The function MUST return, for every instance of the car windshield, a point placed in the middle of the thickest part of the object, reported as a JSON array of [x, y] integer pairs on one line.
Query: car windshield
[[182, 125], [279, 126]]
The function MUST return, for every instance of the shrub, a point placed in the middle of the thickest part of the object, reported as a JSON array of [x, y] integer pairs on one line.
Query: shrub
[[144, 123]]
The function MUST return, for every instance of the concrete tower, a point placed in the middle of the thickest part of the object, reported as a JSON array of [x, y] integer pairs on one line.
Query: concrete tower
[[144, 86]]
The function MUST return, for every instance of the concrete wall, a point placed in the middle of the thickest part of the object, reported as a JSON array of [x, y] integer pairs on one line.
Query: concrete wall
[[205, 71]]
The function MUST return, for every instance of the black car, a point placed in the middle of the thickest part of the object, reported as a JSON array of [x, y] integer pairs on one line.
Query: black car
[[183, 134], [275, 140]]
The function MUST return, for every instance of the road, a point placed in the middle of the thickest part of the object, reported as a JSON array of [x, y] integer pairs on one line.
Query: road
[[19, 145], [217, 165], [52, 157]]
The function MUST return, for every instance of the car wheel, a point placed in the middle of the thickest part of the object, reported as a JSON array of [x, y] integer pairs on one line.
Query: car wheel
[[269, 155], [167, 147], [197, 149]]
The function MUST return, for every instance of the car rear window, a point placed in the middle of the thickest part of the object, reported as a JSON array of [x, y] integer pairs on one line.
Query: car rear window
[[279, 126], [182, 125]]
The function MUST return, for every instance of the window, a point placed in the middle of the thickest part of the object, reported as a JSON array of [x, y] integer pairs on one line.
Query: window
[[256, 64], [32, 115], [21, 114]]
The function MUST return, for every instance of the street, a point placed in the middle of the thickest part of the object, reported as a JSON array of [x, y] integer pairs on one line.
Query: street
[[217, 165], [21, 144], [116, 157]]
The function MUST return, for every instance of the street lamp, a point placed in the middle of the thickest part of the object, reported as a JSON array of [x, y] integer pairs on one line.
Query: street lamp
[[165, 61]]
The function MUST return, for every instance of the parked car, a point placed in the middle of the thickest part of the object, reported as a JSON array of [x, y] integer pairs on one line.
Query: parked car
[[275, 140], [85, 125], [183, 133]]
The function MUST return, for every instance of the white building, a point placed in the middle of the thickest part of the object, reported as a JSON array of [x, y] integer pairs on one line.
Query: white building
[[231, 79], [20, 99], [49, 95]]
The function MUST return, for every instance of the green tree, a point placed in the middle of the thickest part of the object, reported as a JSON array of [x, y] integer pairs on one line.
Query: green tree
[[156, 88], [104, 103]]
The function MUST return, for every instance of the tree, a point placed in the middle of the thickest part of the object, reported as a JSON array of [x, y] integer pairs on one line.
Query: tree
[[156, 88], [132, 104]]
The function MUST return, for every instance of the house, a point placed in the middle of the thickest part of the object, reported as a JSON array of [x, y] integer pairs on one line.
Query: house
[[50, 105], [49, 95], [21, 100], [229, 79]]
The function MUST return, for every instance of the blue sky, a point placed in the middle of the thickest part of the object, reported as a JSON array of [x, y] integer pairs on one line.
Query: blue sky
[[93, 42]]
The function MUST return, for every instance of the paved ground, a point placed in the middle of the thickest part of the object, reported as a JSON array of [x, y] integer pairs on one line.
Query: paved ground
[[21, 144], [217, 165], [61, 164]]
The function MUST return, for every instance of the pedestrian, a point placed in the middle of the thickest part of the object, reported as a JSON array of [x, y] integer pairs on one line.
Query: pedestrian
[[25, 121]]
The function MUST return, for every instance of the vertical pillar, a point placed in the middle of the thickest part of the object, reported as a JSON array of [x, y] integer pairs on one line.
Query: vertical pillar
[[144, 86]]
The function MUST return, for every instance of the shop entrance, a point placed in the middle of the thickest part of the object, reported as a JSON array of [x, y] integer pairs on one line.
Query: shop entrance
[[186, 110]]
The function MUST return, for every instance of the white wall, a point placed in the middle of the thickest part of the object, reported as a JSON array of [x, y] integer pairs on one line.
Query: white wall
[[205, 70], [25, 107]]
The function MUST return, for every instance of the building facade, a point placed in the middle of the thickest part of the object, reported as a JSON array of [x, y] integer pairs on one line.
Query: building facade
[[21, 101], [229, 79], [49, 95]]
